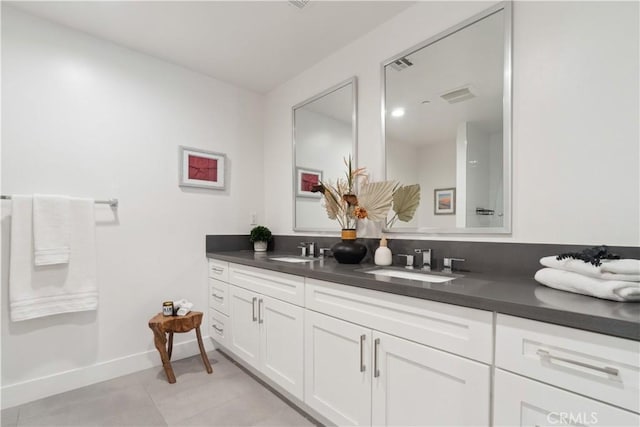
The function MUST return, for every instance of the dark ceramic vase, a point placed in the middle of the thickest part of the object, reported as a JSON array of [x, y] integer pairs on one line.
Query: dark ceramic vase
[[348, 251]]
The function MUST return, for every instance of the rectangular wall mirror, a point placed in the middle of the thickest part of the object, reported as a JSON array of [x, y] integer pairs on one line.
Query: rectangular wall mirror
[[324, 133], [446, 115]]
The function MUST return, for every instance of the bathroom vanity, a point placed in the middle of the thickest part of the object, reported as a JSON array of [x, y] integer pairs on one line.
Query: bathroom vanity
[[353, 348]]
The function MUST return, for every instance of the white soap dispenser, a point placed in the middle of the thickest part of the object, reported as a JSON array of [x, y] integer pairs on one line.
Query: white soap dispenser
[[383, 253]]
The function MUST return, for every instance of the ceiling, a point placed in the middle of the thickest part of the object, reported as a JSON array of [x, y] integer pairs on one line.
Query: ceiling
[[472, 57], [257, 45]]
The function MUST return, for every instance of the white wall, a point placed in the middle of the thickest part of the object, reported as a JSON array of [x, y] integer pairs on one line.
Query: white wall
[[85, 117], [437, 170], [405, 167], [478, 146], [575, 115]]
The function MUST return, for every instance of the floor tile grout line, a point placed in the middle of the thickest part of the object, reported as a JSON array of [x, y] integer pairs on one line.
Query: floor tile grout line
[[217, 405], [274, 391], [153, 402], [147, 381]]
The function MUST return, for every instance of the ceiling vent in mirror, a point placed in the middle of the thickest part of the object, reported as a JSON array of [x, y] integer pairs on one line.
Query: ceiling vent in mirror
[[458, 95], [401, 63], [298, 3]]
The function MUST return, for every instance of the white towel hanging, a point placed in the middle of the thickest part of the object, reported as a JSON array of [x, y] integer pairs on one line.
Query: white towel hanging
[[51, 229], [37, 291]]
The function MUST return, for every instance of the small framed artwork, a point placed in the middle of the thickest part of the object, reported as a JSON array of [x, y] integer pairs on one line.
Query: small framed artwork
[[444, 201], [200, 168], [306, 179]]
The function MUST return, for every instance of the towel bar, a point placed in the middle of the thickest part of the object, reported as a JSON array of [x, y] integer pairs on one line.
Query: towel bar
[[111, 202]]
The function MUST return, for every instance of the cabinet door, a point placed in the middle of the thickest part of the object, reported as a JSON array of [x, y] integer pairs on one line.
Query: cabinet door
[[244, 321], [337, 369], [519, 401], [415, 385], [281, 343]]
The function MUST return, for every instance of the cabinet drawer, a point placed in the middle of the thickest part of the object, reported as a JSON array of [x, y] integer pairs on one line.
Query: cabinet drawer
[[460, 330], [519, 401], [219, 327], [282, 286], [219, 270], [219, 296], [596, 365]]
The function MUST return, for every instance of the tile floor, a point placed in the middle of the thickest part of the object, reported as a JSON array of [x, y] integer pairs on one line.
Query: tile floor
[[228, 397]]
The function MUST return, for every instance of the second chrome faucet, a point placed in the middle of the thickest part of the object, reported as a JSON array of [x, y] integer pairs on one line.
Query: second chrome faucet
[[426, 259]]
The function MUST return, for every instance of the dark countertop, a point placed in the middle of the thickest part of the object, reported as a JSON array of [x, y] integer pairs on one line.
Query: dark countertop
[[518, 296]]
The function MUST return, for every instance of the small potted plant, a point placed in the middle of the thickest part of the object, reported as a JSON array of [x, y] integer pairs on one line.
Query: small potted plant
[[260, 237]]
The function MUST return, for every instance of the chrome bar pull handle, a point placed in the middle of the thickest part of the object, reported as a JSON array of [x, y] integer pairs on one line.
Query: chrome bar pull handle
[[607, 369], [376, 345], [261, 311], [253, 308], [220, 330], [362, 366], [218, 297]]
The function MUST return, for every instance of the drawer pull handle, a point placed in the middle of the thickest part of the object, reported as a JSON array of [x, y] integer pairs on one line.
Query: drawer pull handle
[[220, 330], [362, 366], [253, 308], [607, 370], [260, 311], [218, 297], [217, 269], [376, 345]]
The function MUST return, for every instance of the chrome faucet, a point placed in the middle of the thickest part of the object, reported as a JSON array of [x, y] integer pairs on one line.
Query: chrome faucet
[[427, 258], [448, 264], [307, 249], [409, 263], [325, 252]]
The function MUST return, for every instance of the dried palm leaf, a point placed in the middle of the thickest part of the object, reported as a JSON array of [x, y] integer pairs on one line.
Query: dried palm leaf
[[376, 198], [406, 200], [332, 204]]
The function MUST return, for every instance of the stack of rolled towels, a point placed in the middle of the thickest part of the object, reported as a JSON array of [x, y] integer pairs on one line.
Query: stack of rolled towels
[[612, 279]]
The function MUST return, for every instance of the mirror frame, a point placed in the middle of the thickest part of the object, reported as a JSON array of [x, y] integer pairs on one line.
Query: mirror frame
[[506, 120], [354, 144]]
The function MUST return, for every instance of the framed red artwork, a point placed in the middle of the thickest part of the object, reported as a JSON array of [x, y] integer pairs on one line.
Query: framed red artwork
[[203, 169], [306, 179]]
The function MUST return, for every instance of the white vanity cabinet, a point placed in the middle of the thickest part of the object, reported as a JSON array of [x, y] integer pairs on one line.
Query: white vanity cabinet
[[218, 313], [338, 369], [358, 375], [417, 385], [268, 332], [356, 356], [553, 375]]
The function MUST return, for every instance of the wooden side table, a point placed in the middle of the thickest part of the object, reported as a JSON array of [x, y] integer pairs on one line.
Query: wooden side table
[[161, 325]]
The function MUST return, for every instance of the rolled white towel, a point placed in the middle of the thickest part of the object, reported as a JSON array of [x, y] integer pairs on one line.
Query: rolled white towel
[[616, 290], [579, 266], [621, 266]]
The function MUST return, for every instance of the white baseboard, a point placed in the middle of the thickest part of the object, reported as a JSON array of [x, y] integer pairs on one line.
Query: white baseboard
[[27, 391]]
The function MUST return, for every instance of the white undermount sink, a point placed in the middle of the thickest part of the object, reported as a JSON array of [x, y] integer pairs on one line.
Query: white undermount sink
[[412, 275], [290, 259]]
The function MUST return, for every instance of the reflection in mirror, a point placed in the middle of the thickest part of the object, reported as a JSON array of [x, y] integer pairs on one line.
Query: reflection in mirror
[[447, 126], [324, 134]]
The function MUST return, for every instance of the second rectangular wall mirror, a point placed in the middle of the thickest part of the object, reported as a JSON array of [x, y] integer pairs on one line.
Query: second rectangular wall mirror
[[447, 126], [324, 133]]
